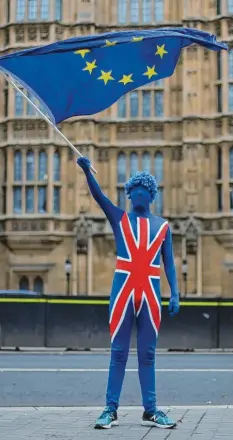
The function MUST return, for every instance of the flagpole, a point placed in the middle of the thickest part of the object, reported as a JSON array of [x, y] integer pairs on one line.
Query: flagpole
[[8, 78]]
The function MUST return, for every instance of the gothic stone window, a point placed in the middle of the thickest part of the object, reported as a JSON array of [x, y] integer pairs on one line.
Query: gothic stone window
[[30, 182], [140, 11]]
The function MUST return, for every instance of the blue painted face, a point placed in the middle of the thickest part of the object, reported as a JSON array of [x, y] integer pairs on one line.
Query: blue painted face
[[140, 197]]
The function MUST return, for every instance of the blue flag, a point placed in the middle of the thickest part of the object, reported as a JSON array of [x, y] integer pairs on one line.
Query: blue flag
[[83, 76]]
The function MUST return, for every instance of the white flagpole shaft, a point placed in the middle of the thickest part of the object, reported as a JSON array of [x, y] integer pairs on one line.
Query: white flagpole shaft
[[46, 119]]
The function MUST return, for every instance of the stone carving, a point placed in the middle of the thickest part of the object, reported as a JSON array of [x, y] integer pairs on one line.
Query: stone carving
[[44, 32], [29, 225], [59, 32], [103, 155], [83, 230], [32, 31], [193, 226], [3, 132]]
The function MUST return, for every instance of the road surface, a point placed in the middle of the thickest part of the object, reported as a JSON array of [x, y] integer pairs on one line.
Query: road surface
[[62, 379]]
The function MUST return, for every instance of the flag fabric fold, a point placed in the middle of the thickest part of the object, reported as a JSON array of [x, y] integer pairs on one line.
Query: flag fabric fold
[[86, 75]]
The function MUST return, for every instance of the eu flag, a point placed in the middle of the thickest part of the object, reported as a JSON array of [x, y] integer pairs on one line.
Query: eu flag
[[85, 75]]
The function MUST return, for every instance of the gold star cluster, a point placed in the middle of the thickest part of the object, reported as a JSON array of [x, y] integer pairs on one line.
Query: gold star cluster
[[126, 78]]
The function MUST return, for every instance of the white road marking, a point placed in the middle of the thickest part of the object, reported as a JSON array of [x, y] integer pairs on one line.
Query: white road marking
[[105, 370], [100, 408], [94, 352]]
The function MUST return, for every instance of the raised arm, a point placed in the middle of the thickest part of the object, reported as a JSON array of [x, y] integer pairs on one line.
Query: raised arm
[[112, 212], [170, 270]]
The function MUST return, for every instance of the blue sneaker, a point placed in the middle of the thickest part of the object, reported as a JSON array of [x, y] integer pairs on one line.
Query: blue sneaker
[[107, 419], [159, 419]]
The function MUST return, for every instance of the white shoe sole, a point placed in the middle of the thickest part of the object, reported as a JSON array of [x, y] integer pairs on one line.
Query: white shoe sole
[[148, 423], [115, 423]]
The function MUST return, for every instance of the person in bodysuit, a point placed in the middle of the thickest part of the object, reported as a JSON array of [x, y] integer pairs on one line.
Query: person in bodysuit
[[141, 238]]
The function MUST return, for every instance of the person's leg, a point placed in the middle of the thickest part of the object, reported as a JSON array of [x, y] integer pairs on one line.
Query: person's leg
[[146, 343], [119, 355]]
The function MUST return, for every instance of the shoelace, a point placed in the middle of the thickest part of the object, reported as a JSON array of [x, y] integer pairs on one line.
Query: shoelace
[[107, 410], [160, 413]]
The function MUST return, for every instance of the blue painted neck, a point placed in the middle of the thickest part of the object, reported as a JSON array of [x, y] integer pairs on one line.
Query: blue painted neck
[[141, 211]]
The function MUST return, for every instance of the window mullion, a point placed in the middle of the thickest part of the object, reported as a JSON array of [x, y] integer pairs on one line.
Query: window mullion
[[51, 150]]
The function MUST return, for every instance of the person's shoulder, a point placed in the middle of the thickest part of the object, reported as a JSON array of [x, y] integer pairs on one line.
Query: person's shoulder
[[161, 220]]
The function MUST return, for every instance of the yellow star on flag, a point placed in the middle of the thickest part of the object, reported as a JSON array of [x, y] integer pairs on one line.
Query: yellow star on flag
[[106, 76], [110, 43], [161, 51], [126, 79], [136, 39], [90, 66], [82, 52], [150, 72]]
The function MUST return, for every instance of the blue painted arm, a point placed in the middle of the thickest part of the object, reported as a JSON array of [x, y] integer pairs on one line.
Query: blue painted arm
[[112, 212], [169, 263], [170, 270]]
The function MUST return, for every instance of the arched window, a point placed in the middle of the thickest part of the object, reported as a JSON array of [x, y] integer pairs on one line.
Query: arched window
[[20, 10], [23, 283], [58, 10], [146, 103], [42, 165], [56, 199], [38, 285], [146, 11], [159, 10], [231, 197], [133, 163], [44, 9], [42, 199], [219, 65], [121, 107], [230, 63], [17, 165], [121, 198], [230, 6], [121, 168], [159, 167], [134, 107], [17, 199], [30, 165], [31, 111], [29, 196], [56, 166], [18, 104], [219, 163], [146, 162], [32, 10], [159, 202], [231, 162], [134, 11]]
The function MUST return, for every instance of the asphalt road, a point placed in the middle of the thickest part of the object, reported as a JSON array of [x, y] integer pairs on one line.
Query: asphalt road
[[64, 379]]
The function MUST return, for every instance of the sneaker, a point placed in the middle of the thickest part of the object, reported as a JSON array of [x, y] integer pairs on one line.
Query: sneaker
[[159, 419], [107, 419]]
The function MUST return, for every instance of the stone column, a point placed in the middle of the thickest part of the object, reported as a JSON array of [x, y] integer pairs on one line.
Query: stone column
[[89, 265], [84, 254], [74, 280], [183, 257], [89, 257], [199, 265]]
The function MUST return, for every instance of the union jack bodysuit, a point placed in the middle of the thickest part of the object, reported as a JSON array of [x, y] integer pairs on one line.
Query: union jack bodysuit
[[140, 241]]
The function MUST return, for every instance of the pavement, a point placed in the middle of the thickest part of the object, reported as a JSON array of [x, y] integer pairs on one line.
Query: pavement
[[58, 396], [77, 424]]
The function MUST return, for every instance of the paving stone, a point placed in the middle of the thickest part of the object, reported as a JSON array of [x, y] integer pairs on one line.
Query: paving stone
[[78, 424]]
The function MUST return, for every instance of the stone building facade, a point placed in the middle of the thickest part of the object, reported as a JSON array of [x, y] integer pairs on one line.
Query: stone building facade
[[180, 129]]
